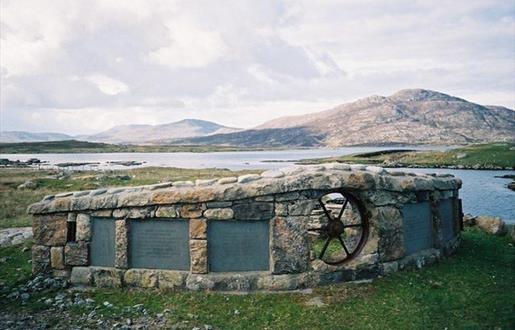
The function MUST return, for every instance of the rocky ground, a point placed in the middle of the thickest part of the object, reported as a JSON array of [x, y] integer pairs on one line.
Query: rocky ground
[[51, 303], [14, 236]]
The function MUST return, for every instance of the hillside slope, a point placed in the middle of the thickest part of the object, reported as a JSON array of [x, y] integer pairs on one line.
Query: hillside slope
[[158, 133], [411, 116]]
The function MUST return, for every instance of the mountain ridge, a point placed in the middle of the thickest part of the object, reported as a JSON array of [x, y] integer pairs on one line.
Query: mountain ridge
[[409, 116]]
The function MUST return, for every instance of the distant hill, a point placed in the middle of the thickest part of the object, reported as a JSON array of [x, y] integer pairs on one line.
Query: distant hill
[[163, 133], [19, 136], [411, 116], [129, 134]]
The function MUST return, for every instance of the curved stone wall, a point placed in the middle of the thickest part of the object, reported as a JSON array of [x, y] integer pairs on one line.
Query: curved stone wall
[[253, 232]]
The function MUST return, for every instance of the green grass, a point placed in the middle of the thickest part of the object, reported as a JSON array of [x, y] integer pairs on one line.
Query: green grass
[[474, 289], [14, 202], [17, 268], [73, 146], [485, 155]]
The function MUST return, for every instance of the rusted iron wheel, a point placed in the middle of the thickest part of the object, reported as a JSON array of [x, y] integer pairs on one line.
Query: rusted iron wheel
[[337, 227]]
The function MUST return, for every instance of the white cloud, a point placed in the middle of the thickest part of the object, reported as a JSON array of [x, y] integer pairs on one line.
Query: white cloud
[[108, 85], [189, 46], [240, 63]]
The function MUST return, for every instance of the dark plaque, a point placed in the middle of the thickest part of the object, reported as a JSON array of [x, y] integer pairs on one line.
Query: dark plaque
[[447, 218], [102, 248], [238, 246], [162, 244], [418, 228]]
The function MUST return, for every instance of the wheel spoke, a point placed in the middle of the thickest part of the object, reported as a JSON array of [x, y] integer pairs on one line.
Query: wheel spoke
[[353, 225], [327, 214], [343, 209], [343, 245], [324, 248]]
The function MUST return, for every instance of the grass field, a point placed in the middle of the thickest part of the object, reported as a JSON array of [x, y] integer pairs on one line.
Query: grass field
[[474, 289], [14, 202], [482, 155]]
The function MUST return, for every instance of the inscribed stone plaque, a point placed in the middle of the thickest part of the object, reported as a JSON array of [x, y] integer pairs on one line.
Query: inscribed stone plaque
[[238, 246], [418, 227], [161, 244], [447, 218], [102, 248]]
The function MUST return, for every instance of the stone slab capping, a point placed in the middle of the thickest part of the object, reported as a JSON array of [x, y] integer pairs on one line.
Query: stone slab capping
[[253, 232]]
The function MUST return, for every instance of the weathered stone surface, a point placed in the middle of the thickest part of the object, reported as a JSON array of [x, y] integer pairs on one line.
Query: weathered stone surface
[[50, 230], [72, 217], [278, 282], [61, 273], [491, 225], [64, 194], [198, 253], [40, 259], [167, 212], [139, 212], [223, 282], [301, 207], [376, 169], [76, 254], [228, 180], [292, 170], [106, 277], [81, 276], [272, 174], [248, 178], [216, 205], [80, 203], [60, 204], [360, 180], [97, 192], [358, 167], [144, 278], [169, 279], [103, 213], [15, 236], [198, 229], [264, 199], [190, 211], [83, 228], [120, 213], [281, 209], [133, 199], [337, 166], [181, 184], [191, 195], [197, 282], [219, 214], [290, 252], [121, 244], [208, 182], [57, 257], [389, 224], [289, 196], [253, 211], [160, 185], [104, 202]]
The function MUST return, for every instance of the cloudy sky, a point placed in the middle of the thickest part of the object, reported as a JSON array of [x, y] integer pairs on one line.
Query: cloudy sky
[[83, 66]]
